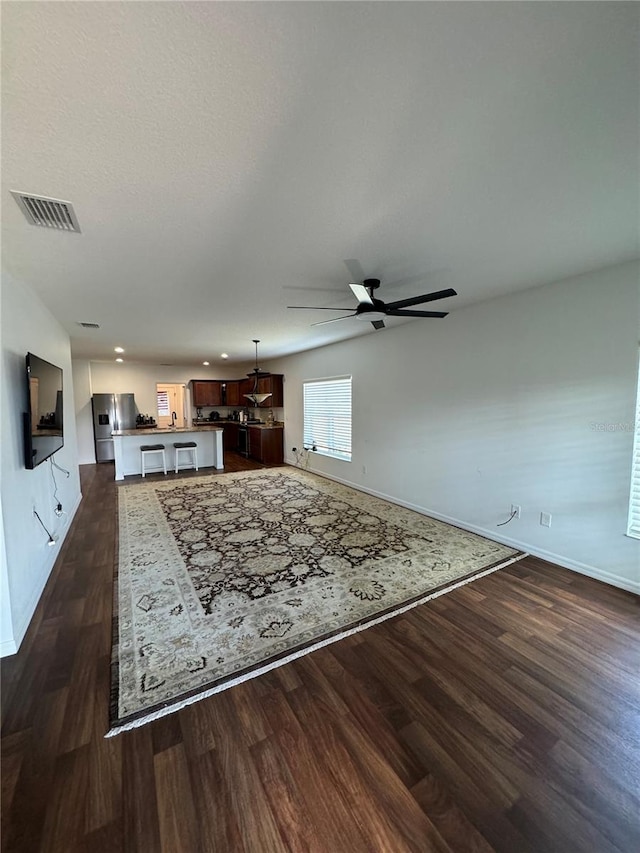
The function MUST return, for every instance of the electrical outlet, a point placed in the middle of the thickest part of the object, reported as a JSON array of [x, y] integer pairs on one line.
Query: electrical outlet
[[545, 519], [364, 469], [515, 510]]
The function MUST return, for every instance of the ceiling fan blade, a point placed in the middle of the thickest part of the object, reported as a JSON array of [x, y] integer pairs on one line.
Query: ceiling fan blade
[[426, 297], [317, 308], [354, 267], [334, 320], [361, 293], [398, 313], [377, 324]]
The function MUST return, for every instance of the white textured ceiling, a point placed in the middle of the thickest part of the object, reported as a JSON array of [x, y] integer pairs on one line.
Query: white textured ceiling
[[225, 159]]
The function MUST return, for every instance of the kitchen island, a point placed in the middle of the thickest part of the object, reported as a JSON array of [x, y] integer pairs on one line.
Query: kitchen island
[[127, 443]]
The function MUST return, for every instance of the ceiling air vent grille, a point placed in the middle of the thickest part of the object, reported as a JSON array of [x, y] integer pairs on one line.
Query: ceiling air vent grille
[[48, 212], [88, 325]]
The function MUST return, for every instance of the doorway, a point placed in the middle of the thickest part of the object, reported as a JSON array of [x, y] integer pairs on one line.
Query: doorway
[[170, 398]]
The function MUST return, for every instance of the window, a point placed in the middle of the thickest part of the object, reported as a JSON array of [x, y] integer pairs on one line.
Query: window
[[327, 416], [634, 499], [163, 403]]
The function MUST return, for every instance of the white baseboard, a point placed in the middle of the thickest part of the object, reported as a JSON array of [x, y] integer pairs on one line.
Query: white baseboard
[[558, 559], [10, 647]]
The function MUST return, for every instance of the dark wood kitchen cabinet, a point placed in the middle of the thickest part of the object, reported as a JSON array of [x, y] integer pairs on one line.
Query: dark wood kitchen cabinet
[[233, 393], [245, 386], [271, 384], [266, 445], [230, 392], [206, 392], [230, 436]]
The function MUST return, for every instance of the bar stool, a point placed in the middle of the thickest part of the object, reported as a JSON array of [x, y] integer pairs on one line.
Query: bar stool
[[189, 447], [152, 448]]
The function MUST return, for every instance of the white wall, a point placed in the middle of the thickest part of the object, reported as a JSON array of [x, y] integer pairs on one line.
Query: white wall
[[27, 326], [84, 414], [141, 379], [494, 405]]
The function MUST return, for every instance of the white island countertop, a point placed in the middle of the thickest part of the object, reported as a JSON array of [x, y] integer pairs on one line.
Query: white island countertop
[[127, 443]]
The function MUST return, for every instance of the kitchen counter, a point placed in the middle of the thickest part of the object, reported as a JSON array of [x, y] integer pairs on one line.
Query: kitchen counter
[[127, 442], [220, 423], [163, 430]]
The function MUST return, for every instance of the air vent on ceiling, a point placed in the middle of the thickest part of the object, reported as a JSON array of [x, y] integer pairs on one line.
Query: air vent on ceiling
[[88, 325], [48, 212]]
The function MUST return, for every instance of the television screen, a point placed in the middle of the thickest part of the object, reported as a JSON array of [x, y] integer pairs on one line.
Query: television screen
[[43, 423]]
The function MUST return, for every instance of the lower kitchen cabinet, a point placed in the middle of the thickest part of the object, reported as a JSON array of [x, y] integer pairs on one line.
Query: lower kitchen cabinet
[[230, 436], [266, 445]]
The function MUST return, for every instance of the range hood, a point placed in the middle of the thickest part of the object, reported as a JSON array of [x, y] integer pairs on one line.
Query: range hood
[[256, 373]]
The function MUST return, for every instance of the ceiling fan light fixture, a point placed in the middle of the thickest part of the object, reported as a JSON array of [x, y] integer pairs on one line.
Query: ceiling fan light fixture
[[257, 399], [370, 316]]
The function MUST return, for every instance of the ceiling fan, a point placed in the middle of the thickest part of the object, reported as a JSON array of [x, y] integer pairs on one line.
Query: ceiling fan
[[375, 310]]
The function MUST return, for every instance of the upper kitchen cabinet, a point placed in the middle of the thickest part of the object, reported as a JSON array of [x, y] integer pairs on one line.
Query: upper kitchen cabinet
[[245, 386], [271, 384], [231, 392], [206, 392], [232, 397]]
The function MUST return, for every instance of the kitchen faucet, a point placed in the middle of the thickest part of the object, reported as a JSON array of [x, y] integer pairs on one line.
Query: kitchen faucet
[[174, 418]]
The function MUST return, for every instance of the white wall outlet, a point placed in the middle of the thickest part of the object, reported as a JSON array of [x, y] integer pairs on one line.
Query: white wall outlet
[[515, 510], [364, 469], [545, 519]]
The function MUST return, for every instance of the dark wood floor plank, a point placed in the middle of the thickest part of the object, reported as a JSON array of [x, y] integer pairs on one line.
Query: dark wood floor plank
[[502, 716], [448, 818], [370, 719], [287, 804], [217, 825], [176, 813], [141, 829], [474, 800], [347, 791], [248, 802], [64, 826]]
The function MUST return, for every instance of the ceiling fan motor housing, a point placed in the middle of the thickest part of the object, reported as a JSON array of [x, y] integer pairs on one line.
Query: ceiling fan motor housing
[[365, 308]]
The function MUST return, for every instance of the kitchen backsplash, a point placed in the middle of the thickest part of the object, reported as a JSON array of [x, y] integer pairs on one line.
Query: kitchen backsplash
[[225, 411]]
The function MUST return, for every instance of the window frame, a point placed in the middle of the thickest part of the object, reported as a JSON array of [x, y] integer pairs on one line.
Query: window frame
[[320, 444], [633, 520]]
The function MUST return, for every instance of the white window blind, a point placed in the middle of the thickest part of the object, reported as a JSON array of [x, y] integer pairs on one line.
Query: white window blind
[[163, 404], [327, 416], [634, 499]]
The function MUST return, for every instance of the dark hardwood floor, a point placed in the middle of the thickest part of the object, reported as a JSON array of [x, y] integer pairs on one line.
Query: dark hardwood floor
[[502, 716]]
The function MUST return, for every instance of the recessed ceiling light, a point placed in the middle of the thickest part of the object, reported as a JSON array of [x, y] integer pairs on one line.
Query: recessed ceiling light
[[206, 363], [119, 359], [118, 349], [224, 355]]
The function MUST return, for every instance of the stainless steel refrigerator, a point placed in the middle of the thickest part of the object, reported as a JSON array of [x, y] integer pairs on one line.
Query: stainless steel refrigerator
[[111, 412]]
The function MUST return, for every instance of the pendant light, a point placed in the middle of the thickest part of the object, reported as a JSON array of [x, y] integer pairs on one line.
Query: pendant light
[[256, 373]]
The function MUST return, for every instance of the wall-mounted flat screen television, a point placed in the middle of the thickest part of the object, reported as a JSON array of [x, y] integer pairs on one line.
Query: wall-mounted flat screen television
[[43, 422]]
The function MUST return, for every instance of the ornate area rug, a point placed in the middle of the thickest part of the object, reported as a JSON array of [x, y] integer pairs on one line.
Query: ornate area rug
[[224, 577]]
